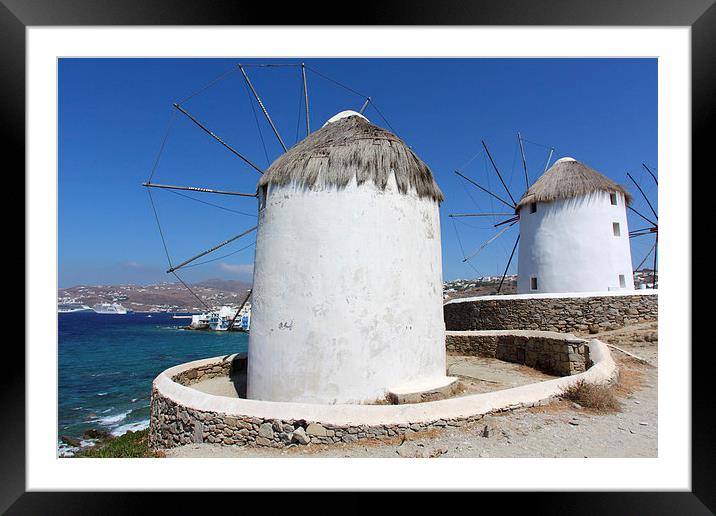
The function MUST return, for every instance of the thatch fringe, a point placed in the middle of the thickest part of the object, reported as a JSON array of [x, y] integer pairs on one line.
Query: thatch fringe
[[352, 147], [569, 178]]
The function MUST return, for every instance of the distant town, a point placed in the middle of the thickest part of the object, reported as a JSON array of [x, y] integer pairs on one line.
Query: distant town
[[174, 297], [488, 285], [162, 297]]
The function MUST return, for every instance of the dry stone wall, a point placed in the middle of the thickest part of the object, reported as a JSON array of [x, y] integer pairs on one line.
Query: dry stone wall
[[560, 314], [174, 425], [550, 352], [231, 365]]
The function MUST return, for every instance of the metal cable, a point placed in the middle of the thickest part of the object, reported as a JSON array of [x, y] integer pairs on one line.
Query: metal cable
[[300, 103], [462, 249], [161, 233], [336, 82], [220, 257], [210, 84], [258, 125], [647, 256], [538, 144], [170, 124], [212, 204], [269, 65], [488, 242], [190, 290], [462, 168], [372, 103]]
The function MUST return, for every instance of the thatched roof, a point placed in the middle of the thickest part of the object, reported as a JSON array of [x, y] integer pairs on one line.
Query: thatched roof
[[347, 147], [569, 178]]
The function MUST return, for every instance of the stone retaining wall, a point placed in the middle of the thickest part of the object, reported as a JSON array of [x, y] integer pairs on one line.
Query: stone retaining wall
[[228, 366], [174, 425], [180, 414], [571, 314], [550, 352]]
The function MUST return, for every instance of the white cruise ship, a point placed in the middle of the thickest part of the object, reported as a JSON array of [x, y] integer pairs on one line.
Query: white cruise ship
[[66, 308], [109, 308]]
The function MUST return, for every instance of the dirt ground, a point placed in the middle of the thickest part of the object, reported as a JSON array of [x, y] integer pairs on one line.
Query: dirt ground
[[561, 429], [476, 375]]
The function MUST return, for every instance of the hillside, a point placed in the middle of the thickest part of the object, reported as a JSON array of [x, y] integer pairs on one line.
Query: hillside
[[163, 297]]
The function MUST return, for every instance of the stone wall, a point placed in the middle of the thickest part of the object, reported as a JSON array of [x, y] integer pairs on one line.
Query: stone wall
[[550, 352], [578, 314], [230, 365], [175, 423]]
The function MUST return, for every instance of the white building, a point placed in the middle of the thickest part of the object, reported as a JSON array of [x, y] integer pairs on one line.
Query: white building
[[573, 233], [347, 289]]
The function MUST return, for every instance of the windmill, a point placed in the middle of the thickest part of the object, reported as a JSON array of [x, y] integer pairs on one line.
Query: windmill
[[572, 223], [651, 229], [248, 164], [512, 217]]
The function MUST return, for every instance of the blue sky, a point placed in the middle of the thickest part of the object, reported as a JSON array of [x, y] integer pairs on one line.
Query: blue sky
[[114, 113]]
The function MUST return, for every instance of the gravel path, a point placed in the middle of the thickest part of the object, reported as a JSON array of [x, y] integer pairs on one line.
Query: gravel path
[[561, 429]]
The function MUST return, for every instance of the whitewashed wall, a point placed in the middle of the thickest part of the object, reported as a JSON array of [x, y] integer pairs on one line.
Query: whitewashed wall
[[347, 296], [569, 245]]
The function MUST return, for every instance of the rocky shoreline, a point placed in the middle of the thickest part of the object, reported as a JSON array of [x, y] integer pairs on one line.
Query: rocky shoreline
[[92, 438]]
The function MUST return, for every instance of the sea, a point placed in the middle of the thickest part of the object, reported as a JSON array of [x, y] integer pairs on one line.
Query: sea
[[107, 363]]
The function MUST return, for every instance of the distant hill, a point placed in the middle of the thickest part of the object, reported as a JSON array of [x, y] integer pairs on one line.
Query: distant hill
[[163, 297], [225, 285], [485, 286]]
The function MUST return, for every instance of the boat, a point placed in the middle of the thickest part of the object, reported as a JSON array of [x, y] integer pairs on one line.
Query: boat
[[109, 308], [198, 321], [66, 308]]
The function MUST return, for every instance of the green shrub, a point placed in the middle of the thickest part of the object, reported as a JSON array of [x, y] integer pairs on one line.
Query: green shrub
[[129, 445]]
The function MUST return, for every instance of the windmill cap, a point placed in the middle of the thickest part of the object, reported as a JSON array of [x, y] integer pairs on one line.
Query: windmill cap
[[343, 114], [348, 147], [568, 178]]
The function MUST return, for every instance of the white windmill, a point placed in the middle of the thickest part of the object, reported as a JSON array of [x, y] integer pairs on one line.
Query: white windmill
[[347, 290], [573, 230]]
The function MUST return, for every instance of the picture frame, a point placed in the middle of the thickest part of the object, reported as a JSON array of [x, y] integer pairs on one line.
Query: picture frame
[[699, 15]]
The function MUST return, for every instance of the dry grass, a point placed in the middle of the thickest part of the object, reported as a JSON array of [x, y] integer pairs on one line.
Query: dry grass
[[557, 406], [630, 380], [596, 397]]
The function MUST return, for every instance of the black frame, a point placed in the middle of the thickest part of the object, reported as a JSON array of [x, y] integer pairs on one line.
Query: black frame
[[700, 15]]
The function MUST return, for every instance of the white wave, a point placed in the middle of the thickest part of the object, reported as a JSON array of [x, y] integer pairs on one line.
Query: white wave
[[134, 427], [65, 450], [110, 420], [102, 393]]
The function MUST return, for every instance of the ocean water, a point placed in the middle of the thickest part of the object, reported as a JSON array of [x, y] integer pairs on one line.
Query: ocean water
[[107, 363]]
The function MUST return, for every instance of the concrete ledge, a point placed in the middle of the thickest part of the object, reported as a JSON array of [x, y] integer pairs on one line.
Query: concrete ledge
[[182, 415], [420, 392], [556, 295]]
